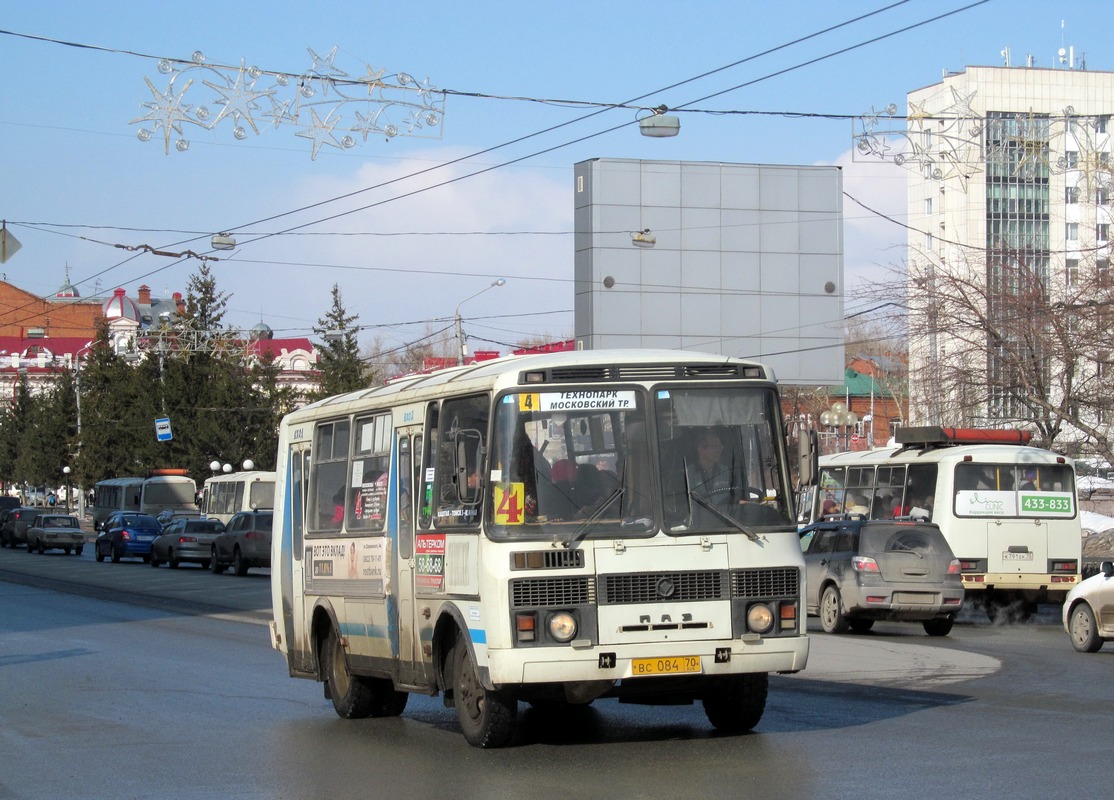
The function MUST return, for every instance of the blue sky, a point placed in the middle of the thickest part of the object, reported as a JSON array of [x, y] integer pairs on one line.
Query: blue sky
[[77, 180]]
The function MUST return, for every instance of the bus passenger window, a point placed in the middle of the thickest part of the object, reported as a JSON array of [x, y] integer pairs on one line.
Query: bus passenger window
[[329, 470], [461, 438]]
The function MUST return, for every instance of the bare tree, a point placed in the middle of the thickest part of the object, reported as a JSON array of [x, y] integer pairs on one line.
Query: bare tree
[[997, 341]]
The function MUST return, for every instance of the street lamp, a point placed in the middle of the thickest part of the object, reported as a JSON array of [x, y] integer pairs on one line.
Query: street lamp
[[69, 491], [841, 418], [460, 345]]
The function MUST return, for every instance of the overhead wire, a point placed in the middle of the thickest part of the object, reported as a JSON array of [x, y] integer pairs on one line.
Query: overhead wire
[[442, 165], [451, 162]]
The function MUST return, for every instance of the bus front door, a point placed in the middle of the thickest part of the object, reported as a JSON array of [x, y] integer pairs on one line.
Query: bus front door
[[292, 560], [405, 642]]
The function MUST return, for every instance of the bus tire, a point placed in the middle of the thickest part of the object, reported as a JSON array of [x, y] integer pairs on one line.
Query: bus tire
[[352, 699], [487, 718], [831, 611], [1084, 632], [736, 703], [940, 626]]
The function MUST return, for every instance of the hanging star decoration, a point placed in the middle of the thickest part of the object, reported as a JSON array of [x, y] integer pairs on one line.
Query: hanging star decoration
[[167, 113], [320, 132], [322, 104], [239, 100], [950, 150]]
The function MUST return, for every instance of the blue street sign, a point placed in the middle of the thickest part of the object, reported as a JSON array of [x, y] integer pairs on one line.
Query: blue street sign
[[162, 430]]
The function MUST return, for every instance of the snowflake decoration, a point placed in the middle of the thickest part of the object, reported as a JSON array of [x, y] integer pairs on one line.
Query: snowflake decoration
[[323, 104]]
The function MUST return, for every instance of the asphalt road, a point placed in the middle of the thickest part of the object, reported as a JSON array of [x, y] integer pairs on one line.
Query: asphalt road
[[136, 682]]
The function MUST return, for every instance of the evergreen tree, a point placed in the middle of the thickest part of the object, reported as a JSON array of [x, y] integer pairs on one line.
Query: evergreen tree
[[342, 369], [204, 305]]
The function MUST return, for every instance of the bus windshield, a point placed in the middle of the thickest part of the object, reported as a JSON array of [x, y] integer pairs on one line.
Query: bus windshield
[[572, 464], [565, 459], [719, 459]]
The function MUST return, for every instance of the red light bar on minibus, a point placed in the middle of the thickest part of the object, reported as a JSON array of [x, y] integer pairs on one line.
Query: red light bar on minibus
[[935, 435]]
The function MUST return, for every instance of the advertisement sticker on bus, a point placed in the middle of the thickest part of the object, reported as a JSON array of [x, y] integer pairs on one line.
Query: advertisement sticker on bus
[[357, 560], [429, 561], [985, 503]]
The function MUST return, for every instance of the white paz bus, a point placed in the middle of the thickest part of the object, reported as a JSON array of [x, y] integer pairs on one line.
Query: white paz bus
[[545, 528], [222, 496], [1008, 510]]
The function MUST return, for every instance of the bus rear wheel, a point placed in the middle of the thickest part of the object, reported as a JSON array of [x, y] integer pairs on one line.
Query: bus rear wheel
[[487, 718], [351, 699], [736, 704], [356, 697]]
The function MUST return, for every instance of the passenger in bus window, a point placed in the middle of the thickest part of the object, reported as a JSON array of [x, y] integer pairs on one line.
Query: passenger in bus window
[[858, 506], [1030, 479]]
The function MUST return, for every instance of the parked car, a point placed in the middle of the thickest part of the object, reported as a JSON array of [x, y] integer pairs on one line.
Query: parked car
[[166, 516], [245, 543], [55, 531], [858, 571], [14, 528], [186, 539], [8, 502], [126, 534], [1089, 611]]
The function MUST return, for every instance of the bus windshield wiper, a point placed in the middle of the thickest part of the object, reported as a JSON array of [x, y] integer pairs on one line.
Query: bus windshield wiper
[[583, 528], [734, 523]]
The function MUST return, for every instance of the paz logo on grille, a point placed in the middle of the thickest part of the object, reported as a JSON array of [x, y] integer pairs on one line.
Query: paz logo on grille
[[666, 588]]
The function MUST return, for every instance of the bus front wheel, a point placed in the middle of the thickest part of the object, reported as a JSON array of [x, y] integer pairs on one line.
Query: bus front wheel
[[487, 718], [736, 704]]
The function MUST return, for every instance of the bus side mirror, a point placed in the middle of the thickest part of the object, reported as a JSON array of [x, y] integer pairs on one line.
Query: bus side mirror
[[809, 459], [467, 456]]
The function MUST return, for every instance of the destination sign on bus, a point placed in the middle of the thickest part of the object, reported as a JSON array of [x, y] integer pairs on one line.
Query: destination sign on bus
[[583, 400]]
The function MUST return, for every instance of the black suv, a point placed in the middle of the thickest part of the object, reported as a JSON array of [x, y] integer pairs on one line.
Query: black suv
[[858, 571]]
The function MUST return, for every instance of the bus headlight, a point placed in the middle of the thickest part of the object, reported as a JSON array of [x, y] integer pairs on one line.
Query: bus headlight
[[760, 618], [561, 626]]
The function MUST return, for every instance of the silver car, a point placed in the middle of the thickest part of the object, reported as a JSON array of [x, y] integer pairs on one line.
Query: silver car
[[858, 571], [1089, 611], [186, 540], [55, 532]]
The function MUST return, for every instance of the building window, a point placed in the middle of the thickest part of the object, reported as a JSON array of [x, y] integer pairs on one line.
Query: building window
[[1102, 232], [1101, 122], [1071, 267], [1071, 232], [928, 241], [928, 207], [1071, 159], [1102, 196], [1071, 195]]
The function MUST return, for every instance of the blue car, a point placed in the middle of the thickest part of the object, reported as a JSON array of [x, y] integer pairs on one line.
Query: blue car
[[125, 534]]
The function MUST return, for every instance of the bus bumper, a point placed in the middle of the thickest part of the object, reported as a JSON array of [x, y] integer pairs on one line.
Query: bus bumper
[[617, 663]]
